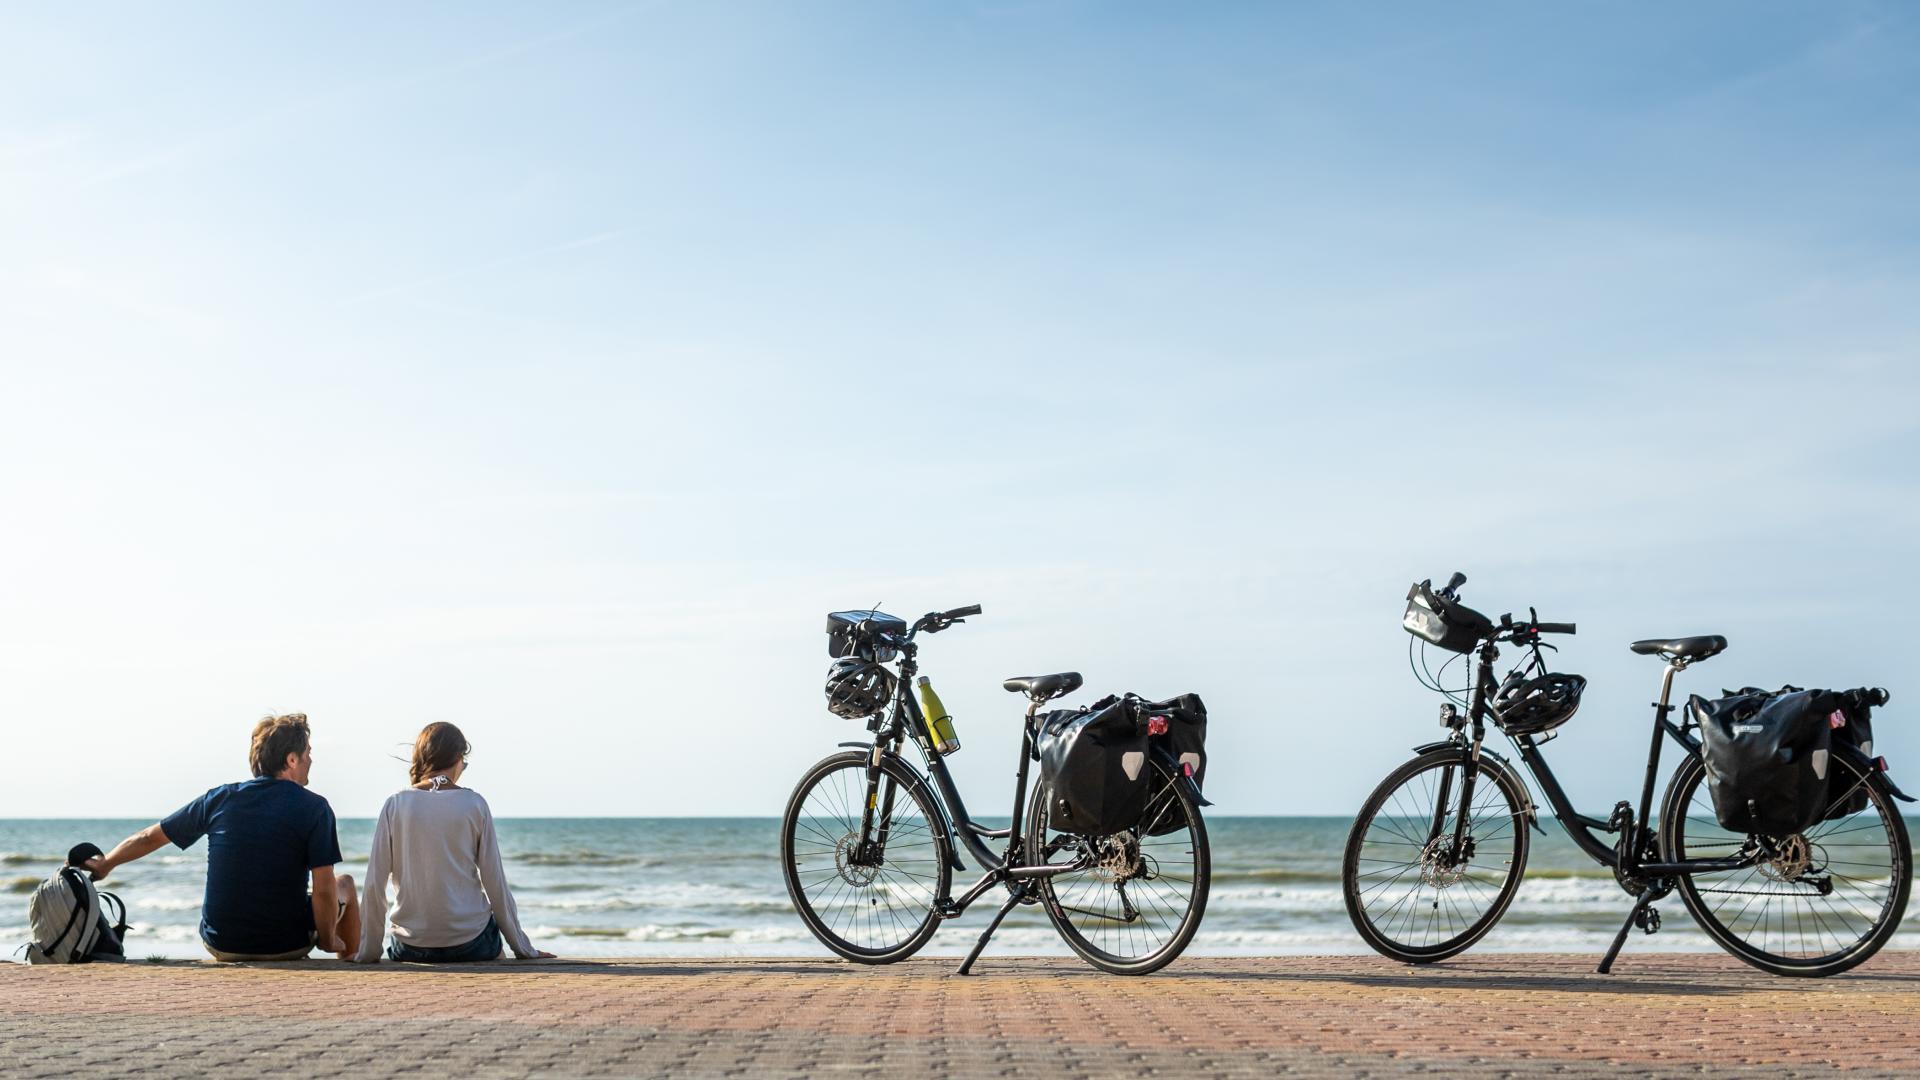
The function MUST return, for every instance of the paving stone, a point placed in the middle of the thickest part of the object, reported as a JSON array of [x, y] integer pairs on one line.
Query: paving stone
[[1476, 1017]]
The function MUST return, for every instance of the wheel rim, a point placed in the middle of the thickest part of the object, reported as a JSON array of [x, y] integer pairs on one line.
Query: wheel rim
[[856, 902], [1410, 886], [1776, 911], [1144, 894]]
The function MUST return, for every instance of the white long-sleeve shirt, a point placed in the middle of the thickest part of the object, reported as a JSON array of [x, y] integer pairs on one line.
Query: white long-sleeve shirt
[[441, 850]]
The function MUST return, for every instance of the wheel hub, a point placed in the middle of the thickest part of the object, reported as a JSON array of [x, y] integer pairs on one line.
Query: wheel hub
[[1792, 859], [1440, 867], [854, 870]]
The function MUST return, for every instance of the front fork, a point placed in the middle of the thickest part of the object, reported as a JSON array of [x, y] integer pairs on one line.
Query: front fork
[[873, 838]]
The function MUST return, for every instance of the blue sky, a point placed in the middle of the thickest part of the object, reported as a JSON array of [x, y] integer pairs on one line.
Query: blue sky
[[554, 372]]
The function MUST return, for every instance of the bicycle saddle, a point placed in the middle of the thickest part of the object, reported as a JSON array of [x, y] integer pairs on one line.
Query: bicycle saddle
[[1043, 687], [1686, 648]]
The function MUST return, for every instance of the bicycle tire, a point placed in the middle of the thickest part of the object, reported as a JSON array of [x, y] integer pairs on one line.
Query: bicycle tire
[[1687, 824], [1369, 878], [1062, 895], [813, 862]]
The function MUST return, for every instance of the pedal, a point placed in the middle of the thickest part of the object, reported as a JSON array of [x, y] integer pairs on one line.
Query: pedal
[[1647, 919], [945, 908], [1622, 816]]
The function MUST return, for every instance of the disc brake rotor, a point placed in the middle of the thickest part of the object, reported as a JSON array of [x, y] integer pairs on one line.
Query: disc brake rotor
[[851, 872], [1438, 867]]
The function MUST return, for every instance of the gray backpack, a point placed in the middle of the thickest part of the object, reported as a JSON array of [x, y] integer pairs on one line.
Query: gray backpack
[[69, 919]]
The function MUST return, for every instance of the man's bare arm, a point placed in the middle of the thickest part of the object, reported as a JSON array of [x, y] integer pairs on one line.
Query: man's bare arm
[[140, 844], [326, 910]]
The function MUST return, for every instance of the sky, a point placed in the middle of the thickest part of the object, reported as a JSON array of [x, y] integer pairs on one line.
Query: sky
[[553, 370]]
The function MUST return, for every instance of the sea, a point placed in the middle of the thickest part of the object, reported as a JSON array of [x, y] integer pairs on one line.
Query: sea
[[704, 887]]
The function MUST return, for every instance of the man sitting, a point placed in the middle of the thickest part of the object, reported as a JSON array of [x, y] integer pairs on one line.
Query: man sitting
[[266, 836]]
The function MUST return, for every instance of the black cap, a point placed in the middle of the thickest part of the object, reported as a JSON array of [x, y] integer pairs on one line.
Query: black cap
[[80, 853]]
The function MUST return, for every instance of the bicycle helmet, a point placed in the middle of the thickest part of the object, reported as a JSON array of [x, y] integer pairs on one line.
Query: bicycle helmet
[[857, 688], [1539, 704]]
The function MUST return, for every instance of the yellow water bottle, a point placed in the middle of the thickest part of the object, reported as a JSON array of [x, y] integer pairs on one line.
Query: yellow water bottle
[[938, 722]]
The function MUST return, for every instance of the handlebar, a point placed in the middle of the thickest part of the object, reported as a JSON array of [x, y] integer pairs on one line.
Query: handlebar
[[1554, 627], [935, 621]]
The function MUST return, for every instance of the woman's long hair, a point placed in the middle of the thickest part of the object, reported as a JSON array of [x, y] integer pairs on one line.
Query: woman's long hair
[[440, 747]]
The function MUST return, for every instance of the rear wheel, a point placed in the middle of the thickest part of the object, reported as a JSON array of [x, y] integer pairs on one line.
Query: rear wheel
[[873, 904], [1135, 909], [1819, 902], [1411, 892]]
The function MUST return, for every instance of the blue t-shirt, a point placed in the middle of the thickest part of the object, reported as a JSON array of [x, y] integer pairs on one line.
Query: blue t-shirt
[[263, 836]]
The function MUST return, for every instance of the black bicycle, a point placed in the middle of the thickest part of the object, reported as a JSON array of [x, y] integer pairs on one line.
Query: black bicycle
[[1440, 847], [869, 845]]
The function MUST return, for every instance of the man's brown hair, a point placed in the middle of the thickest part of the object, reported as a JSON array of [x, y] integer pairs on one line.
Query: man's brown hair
[[274, 737]]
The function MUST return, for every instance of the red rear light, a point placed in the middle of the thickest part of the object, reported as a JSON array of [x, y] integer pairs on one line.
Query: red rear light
[[1837, 720], [1880, 764], [1187, 770], [1156, 725]]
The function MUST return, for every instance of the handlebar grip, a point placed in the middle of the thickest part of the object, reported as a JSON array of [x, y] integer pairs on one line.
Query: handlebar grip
[[1458, 579], [1554, 627], [961, 612]]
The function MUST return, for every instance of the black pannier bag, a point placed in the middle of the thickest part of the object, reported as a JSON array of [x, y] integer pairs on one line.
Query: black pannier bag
[[1847, 789], [1186, 742], [1094, 762], [1449, 624], [1768, 757]]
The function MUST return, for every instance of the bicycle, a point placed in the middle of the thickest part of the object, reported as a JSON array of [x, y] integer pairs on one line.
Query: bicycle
[[1439, 849], [869, 843]]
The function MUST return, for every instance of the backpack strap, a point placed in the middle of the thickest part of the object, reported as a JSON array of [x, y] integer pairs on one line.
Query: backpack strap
[[83, 907]]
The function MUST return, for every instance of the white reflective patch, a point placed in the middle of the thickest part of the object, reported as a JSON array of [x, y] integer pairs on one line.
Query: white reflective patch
[[1820, 764], [1191, 760], [1867, 748], [1747, 729], [1131, 761]]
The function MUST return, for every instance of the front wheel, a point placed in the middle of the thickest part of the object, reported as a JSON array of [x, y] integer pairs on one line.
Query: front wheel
[[871, 899], [1135, 908], [1820, 901], [1420, 884]]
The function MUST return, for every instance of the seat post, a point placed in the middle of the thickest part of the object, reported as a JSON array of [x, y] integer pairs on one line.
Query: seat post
[[1661, 709]]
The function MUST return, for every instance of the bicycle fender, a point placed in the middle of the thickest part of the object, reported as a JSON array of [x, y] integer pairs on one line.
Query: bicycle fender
[[1870, 766], [920, 781], [1172, 765], [1501, 763]]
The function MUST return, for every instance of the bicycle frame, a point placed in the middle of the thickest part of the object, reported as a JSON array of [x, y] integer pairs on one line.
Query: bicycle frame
[[1625, 855], [905, 720]]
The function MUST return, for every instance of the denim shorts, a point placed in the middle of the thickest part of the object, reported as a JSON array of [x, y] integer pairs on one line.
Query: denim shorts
[[485, 947]]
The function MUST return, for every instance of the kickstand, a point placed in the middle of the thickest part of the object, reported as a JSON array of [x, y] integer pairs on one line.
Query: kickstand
[[1634, 918], [1013, 901]]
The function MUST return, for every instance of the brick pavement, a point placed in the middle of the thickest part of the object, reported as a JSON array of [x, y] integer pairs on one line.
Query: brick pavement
[[1485, 1016]]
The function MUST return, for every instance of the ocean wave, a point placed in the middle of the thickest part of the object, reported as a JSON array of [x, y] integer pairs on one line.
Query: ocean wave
[[580, 858], [21, 858], [23, 884]]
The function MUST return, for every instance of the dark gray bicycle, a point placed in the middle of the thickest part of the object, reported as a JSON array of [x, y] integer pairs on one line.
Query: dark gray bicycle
[[1438, 850], [869, 843]]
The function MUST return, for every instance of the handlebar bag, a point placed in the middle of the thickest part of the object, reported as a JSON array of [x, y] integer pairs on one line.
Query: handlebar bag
[[1768, 757], [852, 633], [1449, 624], [1094, 763]]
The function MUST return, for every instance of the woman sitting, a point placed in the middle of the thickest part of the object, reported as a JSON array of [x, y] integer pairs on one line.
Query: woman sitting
[[436, 840]]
